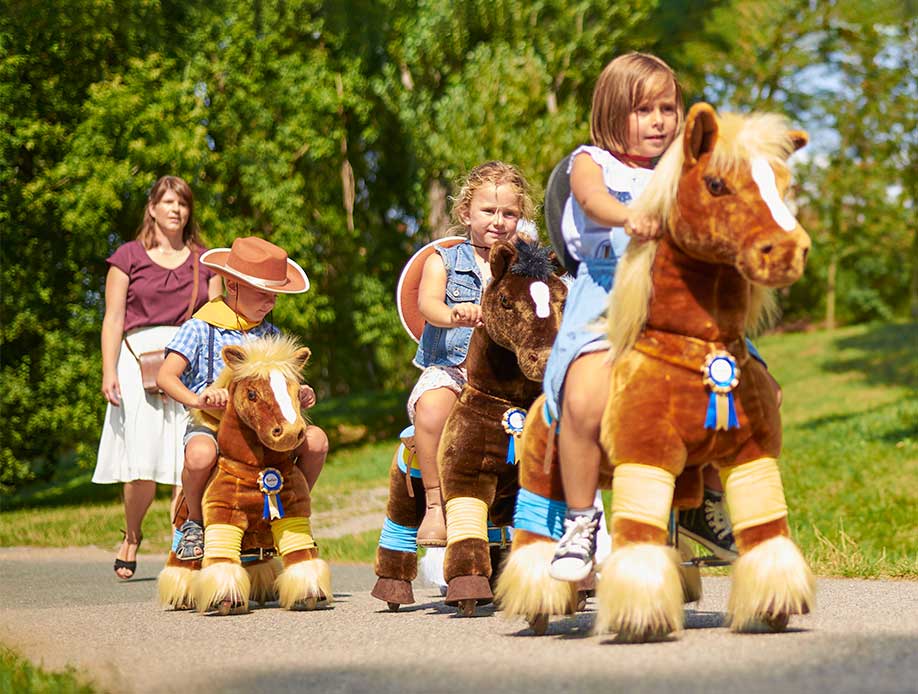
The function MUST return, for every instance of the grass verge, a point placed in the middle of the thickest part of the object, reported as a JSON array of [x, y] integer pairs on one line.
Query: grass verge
[[19, 675]]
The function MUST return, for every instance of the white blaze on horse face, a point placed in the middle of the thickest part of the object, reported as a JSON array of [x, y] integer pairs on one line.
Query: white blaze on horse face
[[764, 177], [540, 295], [282, 395]]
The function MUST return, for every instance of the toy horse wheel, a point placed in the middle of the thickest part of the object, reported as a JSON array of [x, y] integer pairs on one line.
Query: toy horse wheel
[[306, 604], [539, 624], [393, 606], [467, 607], [228, 607], [582, 597], [777, 622]]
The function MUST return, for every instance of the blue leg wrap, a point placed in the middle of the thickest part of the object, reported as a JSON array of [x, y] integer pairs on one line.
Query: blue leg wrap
[[398, 538], [539, 515]]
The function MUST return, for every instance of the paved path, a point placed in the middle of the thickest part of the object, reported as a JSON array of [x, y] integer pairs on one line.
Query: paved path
[[62, 607]]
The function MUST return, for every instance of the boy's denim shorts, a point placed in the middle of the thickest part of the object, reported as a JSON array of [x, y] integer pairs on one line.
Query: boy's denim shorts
[[194, 429]]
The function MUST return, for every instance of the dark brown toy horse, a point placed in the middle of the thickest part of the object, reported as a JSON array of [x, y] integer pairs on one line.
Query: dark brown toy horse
[[521, 312], [257, 500], [685, 392]]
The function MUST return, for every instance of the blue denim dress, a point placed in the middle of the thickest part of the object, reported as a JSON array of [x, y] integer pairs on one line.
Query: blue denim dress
[[579, 333], [449, 346]]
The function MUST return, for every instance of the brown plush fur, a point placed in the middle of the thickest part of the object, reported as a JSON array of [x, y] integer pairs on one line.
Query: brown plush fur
[[698, 290], [253, 434], [506, 361]]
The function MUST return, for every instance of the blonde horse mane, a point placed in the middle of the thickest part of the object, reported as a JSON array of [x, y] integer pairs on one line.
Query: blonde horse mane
[[739, 138], [262, 355]]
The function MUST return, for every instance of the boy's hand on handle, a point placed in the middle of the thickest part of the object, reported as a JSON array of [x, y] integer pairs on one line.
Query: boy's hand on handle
[[213, 398], [111, 389], [466, 315], [307, 396], [644, 227]]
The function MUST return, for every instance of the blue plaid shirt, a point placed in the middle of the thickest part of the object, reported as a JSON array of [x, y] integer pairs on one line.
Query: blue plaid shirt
[[193, 343]]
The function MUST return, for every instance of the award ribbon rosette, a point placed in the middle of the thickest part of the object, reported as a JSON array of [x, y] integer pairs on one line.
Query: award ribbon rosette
[[721, 375], [512, 422], [270, 482]]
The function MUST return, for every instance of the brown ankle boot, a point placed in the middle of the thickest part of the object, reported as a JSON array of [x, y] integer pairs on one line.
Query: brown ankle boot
[[432, 531]]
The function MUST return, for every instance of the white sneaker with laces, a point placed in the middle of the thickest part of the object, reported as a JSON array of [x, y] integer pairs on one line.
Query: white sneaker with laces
[[573, 558]]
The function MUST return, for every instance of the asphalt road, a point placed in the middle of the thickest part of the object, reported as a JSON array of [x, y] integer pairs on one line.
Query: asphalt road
[[65, 607]]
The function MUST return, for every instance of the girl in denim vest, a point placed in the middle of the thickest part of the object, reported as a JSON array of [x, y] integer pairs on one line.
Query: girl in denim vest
[[492, 201]]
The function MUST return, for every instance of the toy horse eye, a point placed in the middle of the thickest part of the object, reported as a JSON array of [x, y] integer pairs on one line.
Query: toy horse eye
[[505, 302], [716, 186], [253, 396]]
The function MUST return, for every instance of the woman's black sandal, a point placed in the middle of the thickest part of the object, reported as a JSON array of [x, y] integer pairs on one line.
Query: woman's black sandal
[[128, 565]]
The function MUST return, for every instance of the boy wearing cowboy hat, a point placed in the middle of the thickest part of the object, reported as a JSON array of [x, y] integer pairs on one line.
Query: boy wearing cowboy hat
[[254, 272]]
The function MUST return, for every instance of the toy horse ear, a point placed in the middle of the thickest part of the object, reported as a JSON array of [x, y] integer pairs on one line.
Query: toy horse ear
[[700, 132], [233, 356], [301, 357], [502, 257], [799, 138]]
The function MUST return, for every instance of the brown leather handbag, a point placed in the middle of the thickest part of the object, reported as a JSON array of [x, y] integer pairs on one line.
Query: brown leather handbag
[[149, 362]]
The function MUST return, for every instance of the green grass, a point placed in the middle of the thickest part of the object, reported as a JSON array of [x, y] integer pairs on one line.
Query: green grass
[[850, 460], [19, 675]]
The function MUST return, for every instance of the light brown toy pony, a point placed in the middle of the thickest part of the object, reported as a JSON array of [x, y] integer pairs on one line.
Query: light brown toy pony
[[257, 500], [685, 392]]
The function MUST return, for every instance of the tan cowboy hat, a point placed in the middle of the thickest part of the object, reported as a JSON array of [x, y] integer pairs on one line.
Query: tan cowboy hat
[[409, 284], [258, 263]]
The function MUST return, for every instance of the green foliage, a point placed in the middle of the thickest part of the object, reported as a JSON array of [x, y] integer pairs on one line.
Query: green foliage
[[338, 130], [19, 675]]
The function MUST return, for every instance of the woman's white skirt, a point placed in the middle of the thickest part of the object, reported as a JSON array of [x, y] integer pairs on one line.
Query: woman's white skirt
[[142, 438]]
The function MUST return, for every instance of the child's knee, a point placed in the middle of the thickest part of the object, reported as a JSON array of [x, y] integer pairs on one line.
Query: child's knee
[[200, 454], [430, 417], [316, 441]]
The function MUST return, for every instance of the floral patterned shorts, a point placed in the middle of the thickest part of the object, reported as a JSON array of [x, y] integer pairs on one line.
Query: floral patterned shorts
[[433, 377]]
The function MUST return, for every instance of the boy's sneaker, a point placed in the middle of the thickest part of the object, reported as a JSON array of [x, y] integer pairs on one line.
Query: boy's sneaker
[[573, 558], [191, 546], [709, 526]]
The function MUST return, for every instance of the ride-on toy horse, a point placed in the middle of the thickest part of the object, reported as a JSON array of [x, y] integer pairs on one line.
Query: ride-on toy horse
[[521, 312], [256, 504], [685, 392]]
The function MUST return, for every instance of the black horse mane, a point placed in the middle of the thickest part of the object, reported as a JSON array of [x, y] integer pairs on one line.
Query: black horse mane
[[533, 260]]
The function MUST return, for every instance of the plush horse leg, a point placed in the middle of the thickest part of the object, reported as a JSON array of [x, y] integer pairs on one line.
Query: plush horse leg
[[640, 590], [396, 563], [467, 565], [262, 575], [173, 585], [771, 579], [222, 582], [525, 588], [306, 579]]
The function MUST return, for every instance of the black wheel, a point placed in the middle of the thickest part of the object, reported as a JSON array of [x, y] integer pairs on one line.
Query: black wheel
[[467, 607], [539, 624], [393, 606]]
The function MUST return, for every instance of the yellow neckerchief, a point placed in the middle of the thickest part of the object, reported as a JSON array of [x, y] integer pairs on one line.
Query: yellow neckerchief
[[216, 313]]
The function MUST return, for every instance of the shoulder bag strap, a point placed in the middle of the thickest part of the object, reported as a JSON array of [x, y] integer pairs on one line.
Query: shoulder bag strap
[[210, 354], [194, 289], [128, 345]]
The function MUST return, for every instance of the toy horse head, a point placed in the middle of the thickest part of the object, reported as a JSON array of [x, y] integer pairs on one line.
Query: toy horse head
[[718, 193], [263, 379], [521, 307]]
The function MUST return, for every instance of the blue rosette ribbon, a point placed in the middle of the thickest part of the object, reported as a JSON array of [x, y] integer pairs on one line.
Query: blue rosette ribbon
[[270, 482], [512, 422], [721, 376]]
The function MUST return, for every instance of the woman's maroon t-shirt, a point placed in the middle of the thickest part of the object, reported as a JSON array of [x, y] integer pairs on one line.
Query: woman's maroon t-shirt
[[157, 295]]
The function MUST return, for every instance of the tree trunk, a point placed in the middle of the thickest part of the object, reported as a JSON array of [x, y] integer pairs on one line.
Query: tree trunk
[[437, 219]]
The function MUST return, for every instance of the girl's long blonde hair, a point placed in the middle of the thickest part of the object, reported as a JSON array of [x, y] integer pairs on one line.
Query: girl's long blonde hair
[[490, 173], [739, 138]]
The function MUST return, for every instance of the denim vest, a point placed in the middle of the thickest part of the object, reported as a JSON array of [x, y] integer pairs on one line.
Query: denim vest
[[448, 346]]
